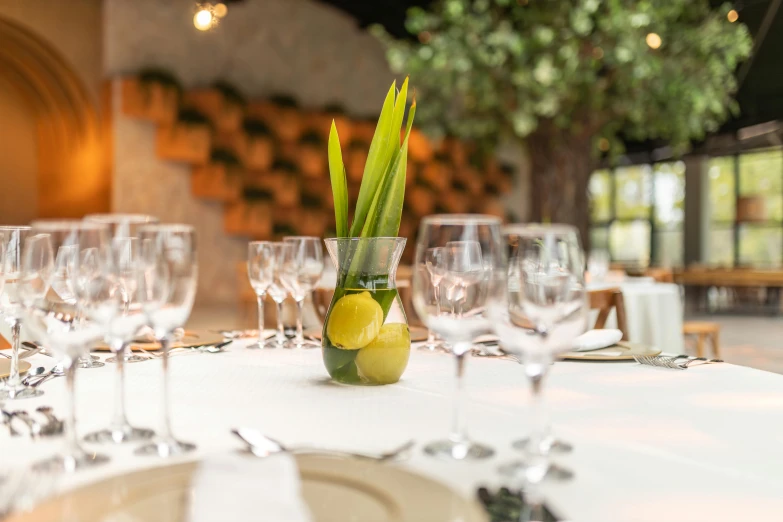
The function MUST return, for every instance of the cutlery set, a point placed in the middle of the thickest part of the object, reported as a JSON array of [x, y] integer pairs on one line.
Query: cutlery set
[[49, 427], [676, 362]]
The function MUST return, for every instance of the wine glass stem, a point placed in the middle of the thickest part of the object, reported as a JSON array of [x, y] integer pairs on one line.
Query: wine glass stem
[[14, 379], [458, 422], [280, 330], [69, 426], [120, 420], [536, 371], [299, 340], [260, 299], [166, 431]]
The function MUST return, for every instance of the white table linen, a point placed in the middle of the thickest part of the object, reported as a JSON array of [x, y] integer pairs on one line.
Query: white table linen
[[650, 444], [653, 312]]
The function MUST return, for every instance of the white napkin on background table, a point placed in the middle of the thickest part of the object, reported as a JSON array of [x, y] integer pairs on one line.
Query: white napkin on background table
[[596, 339], [243, 487]]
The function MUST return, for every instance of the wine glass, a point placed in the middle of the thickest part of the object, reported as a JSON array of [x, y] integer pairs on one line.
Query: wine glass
[[167, 295], [12, 304], [75, 276], [472, 257], [278, 293], [123, 226], [434, 260], [56, 322], [536, 315], [120, 313], [301, 270], [261, 272]]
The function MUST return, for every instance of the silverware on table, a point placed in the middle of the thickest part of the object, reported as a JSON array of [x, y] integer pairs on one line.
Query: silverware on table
[[7, 418], [57, 371], [211, 348], [33, 427], [23, 355], [676, 362], [32, 374], [262, 446]]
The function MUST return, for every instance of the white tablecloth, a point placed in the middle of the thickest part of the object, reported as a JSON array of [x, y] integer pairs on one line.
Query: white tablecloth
[[650, 444], [653, 312]]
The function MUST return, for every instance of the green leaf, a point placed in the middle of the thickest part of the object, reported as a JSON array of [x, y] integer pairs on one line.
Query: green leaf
[[386, 211], [339, 184], [381, 151]]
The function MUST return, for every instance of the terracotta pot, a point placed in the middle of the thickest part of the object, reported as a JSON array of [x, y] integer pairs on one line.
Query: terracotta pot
[[262, 110], [312, 161], [363, 131], [235, 218], [235, 142], [260, 153], [455, 202], [225, 115], [355, 160], [217, 182], [260, 217], [437, 174], [287, 124], [421, 200], [149, 101], [189, 143], [420, 147], [311, 222]]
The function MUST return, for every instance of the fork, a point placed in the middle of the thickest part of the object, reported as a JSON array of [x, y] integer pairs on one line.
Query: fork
[[671, 361]]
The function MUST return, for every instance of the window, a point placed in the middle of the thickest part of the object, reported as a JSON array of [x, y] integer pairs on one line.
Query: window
[[637, 213], [746, 209]]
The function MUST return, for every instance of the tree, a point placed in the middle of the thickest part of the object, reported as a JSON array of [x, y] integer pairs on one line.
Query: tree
[[573, 79]]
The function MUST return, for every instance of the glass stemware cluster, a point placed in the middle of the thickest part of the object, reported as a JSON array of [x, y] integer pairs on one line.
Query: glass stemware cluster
[[279, 269], [74, 283], [523, 282]]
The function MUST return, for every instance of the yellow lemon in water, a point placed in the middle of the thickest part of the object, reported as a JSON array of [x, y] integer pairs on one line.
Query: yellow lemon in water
[[354, 321], [385, 358]]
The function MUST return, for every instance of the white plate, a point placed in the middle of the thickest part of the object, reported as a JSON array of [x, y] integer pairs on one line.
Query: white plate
[[335, 490]]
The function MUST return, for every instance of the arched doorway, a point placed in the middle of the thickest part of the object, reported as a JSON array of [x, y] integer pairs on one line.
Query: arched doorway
[[72, 176]]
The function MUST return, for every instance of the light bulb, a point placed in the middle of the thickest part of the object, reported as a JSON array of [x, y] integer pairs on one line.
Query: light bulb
[[220, 10], [203, 20], [653, 40], [733, 16]]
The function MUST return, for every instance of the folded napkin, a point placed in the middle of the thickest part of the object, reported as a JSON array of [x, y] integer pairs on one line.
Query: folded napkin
[[242, 487], [596, 339]]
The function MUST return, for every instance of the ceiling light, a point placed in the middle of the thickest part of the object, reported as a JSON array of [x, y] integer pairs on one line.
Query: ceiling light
[[203, 19]]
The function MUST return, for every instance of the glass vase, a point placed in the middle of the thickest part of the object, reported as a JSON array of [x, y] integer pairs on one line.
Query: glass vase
[[366, 339]]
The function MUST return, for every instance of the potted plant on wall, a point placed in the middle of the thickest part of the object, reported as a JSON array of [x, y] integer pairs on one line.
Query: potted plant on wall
[[154, 95], [259, 151], [221, 179], [222, 103], [188, 139], [310, 157]]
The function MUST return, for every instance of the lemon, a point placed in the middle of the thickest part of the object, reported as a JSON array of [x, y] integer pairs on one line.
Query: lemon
[[385, 358], [354, 321]]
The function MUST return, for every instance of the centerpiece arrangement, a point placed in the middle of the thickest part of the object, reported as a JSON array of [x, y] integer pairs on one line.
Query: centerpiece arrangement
[[366, 339]]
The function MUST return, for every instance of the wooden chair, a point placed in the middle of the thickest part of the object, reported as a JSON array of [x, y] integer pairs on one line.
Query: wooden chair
[[604, 301], [703, 330]]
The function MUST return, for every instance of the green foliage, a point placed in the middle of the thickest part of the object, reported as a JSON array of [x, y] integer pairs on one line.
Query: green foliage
[[379, 205], [230, 93], [256, 128], [493, 68], [153, 75]]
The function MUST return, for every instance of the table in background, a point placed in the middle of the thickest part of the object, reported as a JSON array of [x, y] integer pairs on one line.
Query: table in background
[[653, 312]]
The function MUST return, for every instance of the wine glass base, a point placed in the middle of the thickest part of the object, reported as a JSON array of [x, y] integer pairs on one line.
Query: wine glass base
[[435, 347], [521, 469], [464, 450], [70, 463], [165, 448], [556, 446], [128, 359], [19, 391], [272, 344], [307, 344], [90, 363], [120, 436]]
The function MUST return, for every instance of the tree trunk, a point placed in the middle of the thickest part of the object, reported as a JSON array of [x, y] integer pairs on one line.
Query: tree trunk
[[561, 165]]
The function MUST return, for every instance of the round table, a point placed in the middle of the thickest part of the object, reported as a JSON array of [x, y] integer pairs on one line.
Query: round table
[[653, 312], [650, 444]]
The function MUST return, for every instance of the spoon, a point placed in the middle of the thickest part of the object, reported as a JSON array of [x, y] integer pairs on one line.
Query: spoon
[[35, 372], [262, 446], [56, 371]]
